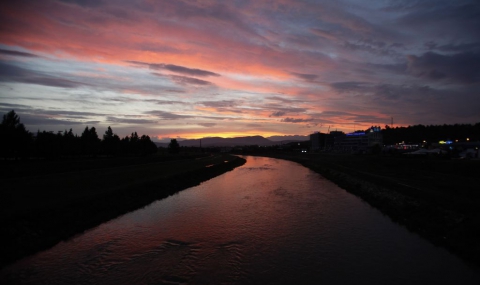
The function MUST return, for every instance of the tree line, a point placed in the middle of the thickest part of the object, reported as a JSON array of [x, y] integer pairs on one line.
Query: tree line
[[17, 142], [431, 133]]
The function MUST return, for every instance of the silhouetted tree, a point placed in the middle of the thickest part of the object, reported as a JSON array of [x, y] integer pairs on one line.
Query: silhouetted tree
[[14, 138], [173, 146], [90, 141], [432, 133], [110, 142], [48, 144], [71, 143], [147, 146]]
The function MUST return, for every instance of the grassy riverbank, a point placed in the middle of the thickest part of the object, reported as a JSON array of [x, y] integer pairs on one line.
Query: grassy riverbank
[[38, 211], [436, 198]]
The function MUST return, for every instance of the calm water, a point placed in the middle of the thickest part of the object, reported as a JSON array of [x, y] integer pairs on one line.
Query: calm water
[[267, 222]]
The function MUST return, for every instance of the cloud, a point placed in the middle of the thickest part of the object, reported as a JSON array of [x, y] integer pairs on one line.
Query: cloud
[[17, 53], [40, 120], [375, 47], [12, 73], [348, 86], [44, 117], [184, 80], [293, 120], [451, 47], [307, 77], [219, 104], [278, 114], [325, 34], [12, 106], [286, 100], [130, 121], [164, 102], [67, 113], [85, 3], [207, 125], [177, 69], [188, 71], [167, 115], [460, 68]]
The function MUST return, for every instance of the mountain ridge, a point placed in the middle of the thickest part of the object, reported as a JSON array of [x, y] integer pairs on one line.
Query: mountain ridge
[[231, 142]]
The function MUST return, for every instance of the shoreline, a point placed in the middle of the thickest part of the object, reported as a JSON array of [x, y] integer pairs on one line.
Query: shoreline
[[43, 228], [454, 230]]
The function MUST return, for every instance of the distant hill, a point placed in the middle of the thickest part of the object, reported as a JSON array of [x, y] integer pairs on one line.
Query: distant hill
[[239, 141], [289, 138], [230, 142], [217, 141], [161, 144]]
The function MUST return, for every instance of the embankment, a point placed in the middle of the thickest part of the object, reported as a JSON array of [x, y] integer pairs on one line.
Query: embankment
[[69, 213], [438, 204]]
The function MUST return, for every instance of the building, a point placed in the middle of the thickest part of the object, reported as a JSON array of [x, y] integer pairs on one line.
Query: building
[[317, 141], [359, 141], [321, 141], [351, 142]]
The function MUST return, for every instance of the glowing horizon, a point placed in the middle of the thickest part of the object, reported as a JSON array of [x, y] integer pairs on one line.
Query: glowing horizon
[[183, 69]]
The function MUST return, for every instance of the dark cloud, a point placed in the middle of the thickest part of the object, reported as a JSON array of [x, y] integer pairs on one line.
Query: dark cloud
[[130, 121], [278, 114], [293, 120], [85, 3], [17, 53], [449, 19], [279, 111], [40, 120], [211, 14], [184, 80], [219, 104], [325, 34], [36, 116], [66, 113], [286, 100], [375, 47], [167, 115], [253, 126], [207, 125], [398, 68], [176, 69], [163, 102], [14, 106], [460, 67], [307, 77], [348, 86], [223, 105], [451, 47], [12, 73], [188, 71]]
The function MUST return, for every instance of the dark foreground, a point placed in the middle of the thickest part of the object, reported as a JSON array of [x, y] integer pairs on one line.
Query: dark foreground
[[39, 211], [436, 198]]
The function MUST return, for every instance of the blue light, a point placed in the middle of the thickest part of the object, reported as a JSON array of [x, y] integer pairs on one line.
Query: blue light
[[356, 134]]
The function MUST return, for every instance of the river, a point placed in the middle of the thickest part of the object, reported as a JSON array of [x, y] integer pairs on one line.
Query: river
[[269, 221]]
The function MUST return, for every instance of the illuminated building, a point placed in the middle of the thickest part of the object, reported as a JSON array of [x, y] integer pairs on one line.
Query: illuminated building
[[359, 141]]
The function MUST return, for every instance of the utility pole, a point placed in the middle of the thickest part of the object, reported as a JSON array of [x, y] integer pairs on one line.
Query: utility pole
[[392, 123]]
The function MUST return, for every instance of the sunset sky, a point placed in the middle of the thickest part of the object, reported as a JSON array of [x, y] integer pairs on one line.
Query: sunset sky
[[191, 69]]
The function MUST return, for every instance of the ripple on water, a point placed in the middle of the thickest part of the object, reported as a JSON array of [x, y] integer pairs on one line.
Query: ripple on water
[[267, 222]]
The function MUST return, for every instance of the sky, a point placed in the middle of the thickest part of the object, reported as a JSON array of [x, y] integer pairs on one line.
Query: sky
[[192, 69]]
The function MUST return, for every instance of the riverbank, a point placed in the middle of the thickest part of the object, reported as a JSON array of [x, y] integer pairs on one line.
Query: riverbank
[[438, 199], [40, 211]]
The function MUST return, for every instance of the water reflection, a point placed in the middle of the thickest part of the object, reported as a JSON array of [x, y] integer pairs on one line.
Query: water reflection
[[267, 222]]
